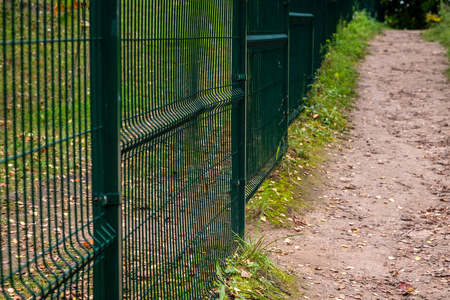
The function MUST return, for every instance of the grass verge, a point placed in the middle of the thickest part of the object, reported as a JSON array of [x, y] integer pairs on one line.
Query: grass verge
[[250, 274], [324, 118], [440, 31]]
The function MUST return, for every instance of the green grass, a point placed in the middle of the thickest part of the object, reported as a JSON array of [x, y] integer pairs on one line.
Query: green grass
[[440, 31], [250, 274], [324, 117]]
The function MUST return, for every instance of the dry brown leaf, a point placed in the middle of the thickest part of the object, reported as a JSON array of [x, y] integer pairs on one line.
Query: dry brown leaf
[[245, 274]]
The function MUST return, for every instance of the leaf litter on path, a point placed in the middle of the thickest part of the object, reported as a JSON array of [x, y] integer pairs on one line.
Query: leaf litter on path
[[389, 221]]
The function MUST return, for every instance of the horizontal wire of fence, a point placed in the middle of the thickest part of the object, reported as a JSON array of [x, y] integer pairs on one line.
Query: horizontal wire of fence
[[47, 241], [134, 132]]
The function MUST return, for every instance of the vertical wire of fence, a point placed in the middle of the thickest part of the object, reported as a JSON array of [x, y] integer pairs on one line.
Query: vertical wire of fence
[[132, 133], [267, 94], [47, 239], [178, 98]]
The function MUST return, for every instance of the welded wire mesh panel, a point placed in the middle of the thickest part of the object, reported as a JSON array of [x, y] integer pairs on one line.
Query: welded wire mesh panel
[[267, 88], [373, 7], [346, 9], [176, 145], [320, 38], [332, 18], [47, 245], [301, 20]]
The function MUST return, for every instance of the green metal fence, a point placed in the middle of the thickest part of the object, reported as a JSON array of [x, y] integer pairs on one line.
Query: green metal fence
[[134, 132], [374, 7]]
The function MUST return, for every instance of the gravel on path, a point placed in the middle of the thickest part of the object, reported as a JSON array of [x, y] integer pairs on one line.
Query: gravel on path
[[381, 226]]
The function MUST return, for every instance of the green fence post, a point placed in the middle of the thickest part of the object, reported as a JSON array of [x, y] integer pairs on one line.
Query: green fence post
[[238, 118], [106, 158]]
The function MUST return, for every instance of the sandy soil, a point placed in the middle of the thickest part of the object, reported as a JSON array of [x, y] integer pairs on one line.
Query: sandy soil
[[381, 226]]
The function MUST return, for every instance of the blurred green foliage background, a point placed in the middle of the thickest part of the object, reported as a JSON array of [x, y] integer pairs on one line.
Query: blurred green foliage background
[[412, 14]]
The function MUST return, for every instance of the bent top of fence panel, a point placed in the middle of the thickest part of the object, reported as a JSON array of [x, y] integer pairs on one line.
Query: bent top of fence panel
[[267, 101], [177, 102], [48, 247]]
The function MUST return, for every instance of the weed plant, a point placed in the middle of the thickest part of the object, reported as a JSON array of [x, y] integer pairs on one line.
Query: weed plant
[[440, 31]]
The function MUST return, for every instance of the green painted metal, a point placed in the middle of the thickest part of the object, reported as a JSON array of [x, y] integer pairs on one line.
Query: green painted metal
[[106, 152], [332, 18], [178, 148], [301, 47], [267, 94], [133, 133], [320, 39], [238, 118], [48, 245], [373, 7]]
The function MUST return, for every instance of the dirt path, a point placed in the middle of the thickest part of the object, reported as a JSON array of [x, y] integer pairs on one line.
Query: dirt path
[[382, 227]]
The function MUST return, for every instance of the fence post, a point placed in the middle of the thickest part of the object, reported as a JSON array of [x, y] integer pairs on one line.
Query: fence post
[[106, 158], [238, 118]]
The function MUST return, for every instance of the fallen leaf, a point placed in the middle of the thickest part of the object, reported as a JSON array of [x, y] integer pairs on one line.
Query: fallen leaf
[[405, 287], [245, 274], [88, 244]]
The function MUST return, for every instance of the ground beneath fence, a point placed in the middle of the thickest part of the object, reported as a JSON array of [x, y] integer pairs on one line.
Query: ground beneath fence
[[381, 228]]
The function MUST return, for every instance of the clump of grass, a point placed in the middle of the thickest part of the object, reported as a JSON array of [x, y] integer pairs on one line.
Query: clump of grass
[[324, 117], [440, 31], [250, 274]]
